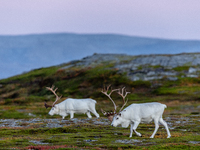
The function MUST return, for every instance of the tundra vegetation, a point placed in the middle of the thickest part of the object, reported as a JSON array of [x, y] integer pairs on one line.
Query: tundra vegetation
[[25, 123]]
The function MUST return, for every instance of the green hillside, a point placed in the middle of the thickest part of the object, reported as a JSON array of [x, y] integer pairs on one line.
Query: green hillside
[[27, 91], [23, 97]]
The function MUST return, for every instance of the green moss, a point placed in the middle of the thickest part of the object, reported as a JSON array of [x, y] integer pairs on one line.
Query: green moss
[[173, 147], [37, 73], [96, 136], [13, 114], [48, 131], [177, 90], [181, 68], [141, 84]]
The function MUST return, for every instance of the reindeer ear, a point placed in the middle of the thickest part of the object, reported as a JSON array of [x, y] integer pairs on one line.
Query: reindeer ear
[[46, 105]]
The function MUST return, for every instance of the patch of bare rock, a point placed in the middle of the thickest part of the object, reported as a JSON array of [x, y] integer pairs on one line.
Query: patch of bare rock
[[146, 67]]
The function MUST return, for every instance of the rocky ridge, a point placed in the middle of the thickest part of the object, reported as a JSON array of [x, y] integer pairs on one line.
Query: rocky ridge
[[146, 67]]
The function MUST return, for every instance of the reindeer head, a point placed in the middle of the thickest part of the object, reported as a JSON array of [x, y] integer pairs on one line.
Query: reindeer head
[[54, 92], [111, 114]]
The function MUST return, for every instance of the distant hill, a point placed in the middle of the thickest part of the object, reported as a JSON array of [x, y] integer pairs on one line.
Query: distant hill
[[26, 52]]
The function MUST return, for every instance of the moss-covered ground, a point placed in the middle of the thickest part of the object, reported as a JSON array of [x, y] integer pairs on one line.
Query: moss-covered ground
[[23, 97]]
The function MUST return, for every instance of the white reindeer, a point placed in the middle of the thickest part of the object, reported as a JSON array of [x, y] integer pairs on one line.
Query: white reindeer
[[136, 114], [71, 106]]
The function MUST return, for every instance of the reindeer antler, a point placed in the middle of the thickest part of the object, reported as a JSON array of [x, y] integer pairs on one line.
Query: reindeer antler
[[54, 92], [105, 91], [111, 114], [123, 96]]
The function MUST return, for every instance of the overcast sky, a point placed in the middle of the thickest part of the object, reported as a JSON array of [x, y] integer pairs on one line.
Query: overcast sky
[[171, 19]]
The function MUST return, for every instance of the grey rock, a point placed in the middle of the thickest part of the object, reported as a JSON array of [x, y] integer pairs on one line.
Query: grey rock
[[50, 123], [172, 78], [194, 142], [38, 142], [192, 70], [151, 73], [145, 67], [131, 141], [192, 76]]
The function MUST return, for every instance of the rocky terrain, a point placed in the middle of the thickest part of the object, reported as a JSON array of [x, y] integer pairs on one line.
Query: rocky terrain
[[175, 123], [49, 123], [146, 67], [169, 79]]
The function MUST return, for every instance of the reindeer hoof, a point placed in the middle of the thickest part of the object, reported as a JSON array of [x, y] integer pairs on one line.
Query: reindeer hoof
[[169, 136]]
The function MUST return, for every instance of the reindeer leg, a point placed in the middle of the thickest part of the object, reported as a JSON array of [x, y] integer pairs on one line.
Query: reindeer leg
[[88, 114], [156, 128], [131, 130], [135, 127], [71, 115], [136, 123], [94, 112], [166, 127]]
